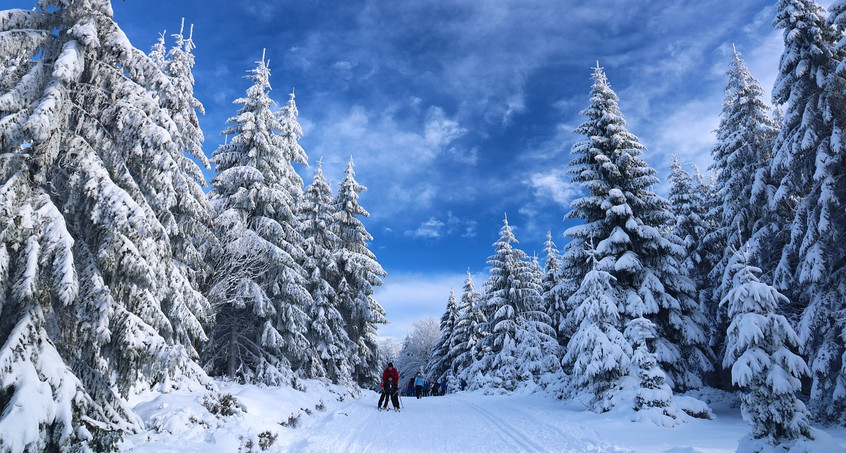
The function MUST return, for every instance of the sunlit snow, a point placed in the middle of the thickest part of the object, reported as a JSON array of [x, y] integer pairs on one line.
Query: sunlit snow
[[330, 419]]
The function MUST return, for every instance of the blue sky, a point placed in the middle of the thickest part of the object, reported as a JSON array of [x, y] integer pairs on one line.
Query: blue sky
[[457, 112]]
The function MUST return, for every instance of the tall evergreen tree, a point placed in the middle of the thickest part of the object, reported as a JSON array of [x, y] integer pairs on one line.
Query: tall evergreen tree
[[359, 273], [809, 160], [628, 223], [689, 204], [90, 202], [520, 345], [745, 139], [259, 290], [818, 242], [467, 327], [760, 345], [189, 226], [179, 65], [742, 158], [158, 53], [440, 363], [553, 302], [805, 137], [290, 133], [327, 335]]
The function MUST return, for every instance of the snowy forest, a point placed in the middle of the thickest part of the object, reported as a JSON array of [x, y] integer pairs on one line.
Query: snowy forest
[[122, 269]]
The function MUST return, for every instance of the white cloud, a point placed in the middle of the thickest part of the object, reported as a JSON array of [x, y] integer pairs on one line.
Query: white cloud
[[763, 61], [344, 65], [430, 229], [262, 11], [390, 157], [407, 298], [435, 228], [688, 132], [439, 130], [464, 156], [554, 184]]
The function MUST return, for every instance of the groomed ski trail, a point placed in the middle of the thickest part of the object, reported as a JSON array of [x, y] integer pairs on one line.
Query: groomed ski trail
[[488, 423]]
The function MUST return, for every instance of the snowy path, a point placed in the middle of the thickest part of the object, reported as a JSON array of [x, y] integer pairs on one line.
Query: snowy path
[[453, 423], [330, 421]]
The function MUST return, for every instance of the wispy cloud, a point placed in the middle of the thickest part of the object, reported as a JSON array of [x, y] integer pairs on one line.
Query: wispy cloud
[[555, 185], [439, 130], [410, 297], [450, 226], [430, 229], [687, 132]]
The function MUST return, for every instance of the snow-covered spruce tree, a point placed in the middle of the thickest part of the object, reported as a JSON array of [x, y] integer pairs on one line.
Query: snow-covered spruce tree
[[817, 244], [67, 404], [629, 224], [654, 397], [806, 67], [520, 346], [538, 340], [440, 362], [359, 273], [259, 285], [158, 52], [189, 226], [809, 161], [290, 133], [691, 200], [467, 328], [90, 185], [326, 334], [741, 158], [598, 355], [553, 303], [760, 345], [743, 153], [689, 205]]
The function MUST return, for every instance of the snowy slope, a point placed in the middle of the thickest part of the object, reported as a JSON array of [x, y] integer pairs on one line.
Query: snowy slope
[[462, 422]]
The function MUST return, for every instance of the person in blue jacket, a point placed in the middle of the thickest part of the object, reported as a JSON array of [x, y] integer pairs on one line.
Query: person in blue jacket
[[418, 384], [443, 386]]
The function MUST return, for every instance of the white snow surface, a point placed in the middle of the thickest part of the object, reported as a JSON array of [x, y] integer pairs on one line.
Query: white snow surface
[[458, 422]]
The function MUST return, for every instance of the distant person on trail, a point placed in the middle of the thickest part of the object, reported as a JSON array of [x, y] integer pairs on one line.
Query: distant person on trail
[[443, 386], [427, 389], [410, 390], [390, 372], [418, 385], [462, 384]]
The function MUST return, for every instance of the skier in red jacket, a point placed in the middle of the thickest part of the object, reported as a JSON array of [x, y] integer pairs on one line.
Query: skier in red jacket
[[390, 371], [389, 375]]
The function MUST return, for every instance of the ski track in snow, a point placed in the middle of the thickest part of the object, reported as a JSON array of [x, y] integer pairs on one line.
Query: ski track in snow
[[429, 424], [514, 437]]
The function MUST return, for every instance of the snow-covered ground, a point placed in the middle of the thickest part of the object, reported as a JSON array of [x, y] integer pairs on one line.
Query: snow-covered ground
[[329, 419]]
